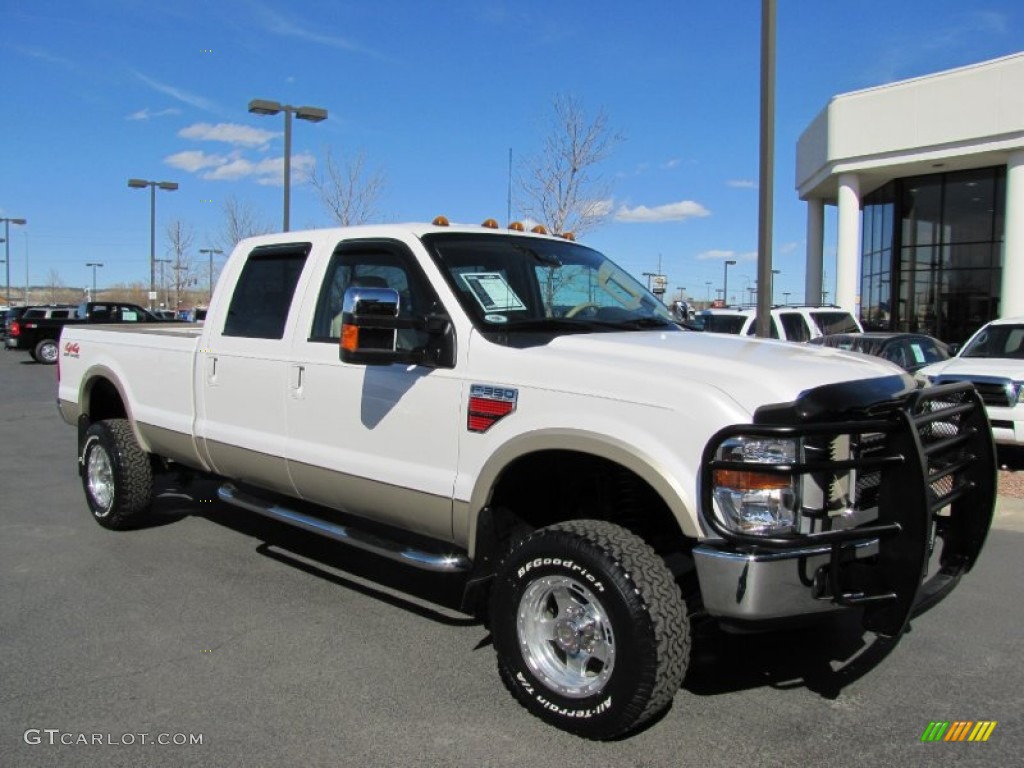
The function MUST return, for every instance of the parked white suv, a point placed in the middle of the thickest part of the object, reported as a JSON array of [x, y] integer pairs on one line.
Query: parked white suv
[[801, 323], [992, 360]]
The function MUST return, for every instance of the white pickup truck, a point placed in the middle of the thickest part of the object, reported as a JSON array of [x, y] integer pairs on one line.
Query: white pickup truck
[[513, 406]]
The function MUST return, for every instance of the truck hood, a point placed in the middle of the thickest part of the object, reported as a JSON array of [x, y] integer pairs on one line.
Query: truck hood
[[658, 368], [966, 367]]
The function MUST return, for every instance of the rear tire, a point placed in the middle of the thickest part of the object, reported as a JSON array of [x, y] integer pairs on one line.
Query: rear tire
[[116, 474], [46, 352], [590, 628]]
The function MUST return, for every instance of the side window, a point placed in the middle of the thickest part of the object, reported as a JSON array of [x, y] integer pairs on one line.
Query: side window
[[773, 329], [263, 296], [373, 265], [795, 327]]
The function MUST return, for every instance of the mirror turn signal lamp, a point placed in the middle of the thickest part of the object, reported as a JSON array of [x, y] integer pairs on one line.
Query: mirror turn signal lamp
[[515, 226], [350, 338]]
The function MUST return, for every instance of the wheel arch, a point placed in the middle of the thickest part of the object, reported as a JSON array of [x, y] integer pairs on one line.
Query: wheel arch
[[103, 397], [664, 519]]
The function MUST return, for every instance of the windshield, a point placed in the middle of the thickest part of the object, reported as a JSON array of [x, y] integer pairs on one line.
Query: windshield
[[997, 341], [539, 285]]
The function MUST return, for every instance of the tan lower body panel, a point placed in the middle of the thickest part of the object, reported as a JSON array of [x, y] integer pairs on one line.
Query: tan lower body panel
[[411, 510]]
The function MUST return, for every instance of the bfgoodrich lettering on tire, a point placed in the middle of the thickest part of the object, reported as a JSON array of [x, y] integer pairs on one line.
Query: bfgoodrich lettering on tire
[[116, 474], [589, 627]]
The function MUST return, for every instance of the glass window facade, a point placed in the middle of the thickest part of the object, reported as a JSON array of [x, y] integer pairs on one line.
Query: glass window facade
[[931, 253]]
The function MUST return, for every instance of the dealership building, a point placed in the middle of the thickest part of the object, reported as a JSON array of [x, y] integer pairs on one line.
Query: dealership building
[[927, 176]]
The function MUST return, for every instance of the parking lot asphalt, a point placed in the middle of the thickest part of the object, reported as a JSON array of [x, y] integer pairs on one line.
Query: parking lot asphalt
[[278, 649]]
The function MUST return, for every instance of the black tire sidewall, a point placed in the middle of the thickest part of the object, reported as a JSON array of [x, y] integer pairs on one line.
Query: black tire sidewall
[[41, 346], [98, 436], [616, 707]]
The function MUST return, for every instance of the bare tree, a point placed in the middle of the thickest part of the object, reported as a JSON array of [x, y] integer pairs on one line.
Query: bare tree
[[348, 189], [560, 186], [241, 220], [54, 285], [180, 237]]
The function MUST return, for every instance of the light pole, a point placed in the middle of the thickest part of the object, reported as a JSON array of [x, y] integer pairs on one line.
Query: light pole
[[7, 251], [313, 114], [725, 279], [210, 251], [163, 283], [93, 264], [785, 297], [169, 186], [708, 284]]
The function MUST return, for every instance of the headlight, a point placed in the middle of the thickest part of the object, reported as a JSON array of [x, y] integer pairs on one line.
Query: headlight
[[755, 501], [1020, 391]]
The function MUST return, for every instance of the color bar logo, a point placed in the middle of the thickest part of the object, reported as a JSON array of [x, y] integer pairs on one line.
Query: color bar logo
[[959, 730]]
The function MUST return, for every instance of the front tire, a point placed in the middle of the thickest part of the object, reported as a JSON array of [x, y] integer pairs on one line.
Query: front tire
[[46, 352], [116, 474], [590, 628]]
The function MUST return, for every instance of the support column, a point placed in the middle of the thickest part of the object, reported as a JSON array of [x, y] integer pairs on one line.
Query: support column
[[848, 242], [1011, 302], [815, 250]]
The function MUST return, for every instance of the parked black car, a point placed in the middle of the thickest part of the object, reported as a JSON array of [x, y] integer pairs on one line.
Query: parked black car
[[910, 351], [40, 337]]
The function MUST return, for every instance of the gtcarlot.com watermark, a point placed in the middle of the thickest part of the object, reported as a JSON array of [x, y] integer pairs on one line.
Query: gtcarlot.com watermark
[[55, 736]]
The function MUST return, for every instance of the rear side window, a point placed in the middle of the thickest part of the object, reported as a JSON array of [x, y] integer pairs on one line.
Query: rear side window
[[835, 322], [795, 327], [263, 296], [724, 323]]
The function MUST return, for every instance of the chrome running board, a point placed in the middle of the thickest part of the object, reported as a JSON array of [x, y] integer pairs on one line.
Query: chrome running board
[[429, 561]]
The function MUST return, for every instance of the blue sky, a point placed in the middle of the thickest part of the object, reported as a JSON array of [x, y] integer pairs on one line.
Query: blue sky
[[435, 94]]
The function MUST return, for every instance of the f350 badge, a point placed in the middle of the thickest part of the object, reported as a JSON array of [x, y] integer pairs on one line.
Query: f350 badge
[[488, 405]]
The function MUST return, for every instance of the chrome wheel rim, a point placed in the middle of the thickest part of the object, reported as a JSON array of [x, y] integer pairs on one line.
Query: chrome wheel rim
[[48, 352], [566, 637], [100, 478]]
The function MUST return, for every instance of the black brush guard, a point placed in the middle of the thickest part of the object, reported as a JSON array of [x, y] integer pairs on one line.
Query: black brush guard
[[927, 463]]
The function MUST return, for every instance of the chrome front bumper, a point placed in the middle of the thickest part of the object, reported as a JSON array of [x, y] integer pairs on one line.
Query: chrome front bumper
[[766, 585]]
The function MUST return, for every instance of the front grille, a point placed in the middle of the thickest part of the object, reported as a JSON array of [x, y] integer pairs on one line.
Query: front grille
[[996, 392], [902, 474]]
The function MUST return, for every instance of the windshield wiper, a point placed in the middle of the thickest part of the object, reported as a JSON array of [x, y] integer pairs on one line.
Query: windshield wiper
[[645, 322]]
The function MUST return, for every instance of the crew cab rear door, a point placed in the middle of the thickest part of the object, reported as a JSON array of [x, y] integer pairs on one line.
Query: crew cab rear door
[[242, 370]]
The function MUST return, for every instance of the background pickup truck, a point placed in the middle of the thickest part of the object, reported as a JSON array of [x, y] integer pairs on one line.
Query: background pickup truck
[[515, 408], [40, 336]]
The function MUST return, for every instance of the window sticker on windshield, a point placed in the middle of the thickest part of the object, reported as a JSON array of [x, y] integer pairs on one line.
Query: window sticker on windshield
[[495, 318], [919, 356], [492, 291]]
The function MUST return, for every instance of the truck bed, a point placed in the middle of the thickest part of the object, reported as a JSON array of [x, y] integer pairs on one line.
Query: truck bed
[[156, 363]]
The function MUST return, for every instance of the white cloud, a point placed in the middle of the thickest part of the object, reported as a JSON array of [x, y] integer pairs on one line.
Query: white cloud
[[148, 114], [787, 247], [684, 209], [230, 133], [742, 183], [278, 24], [269, 171], [177, 93], [195, 160]]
